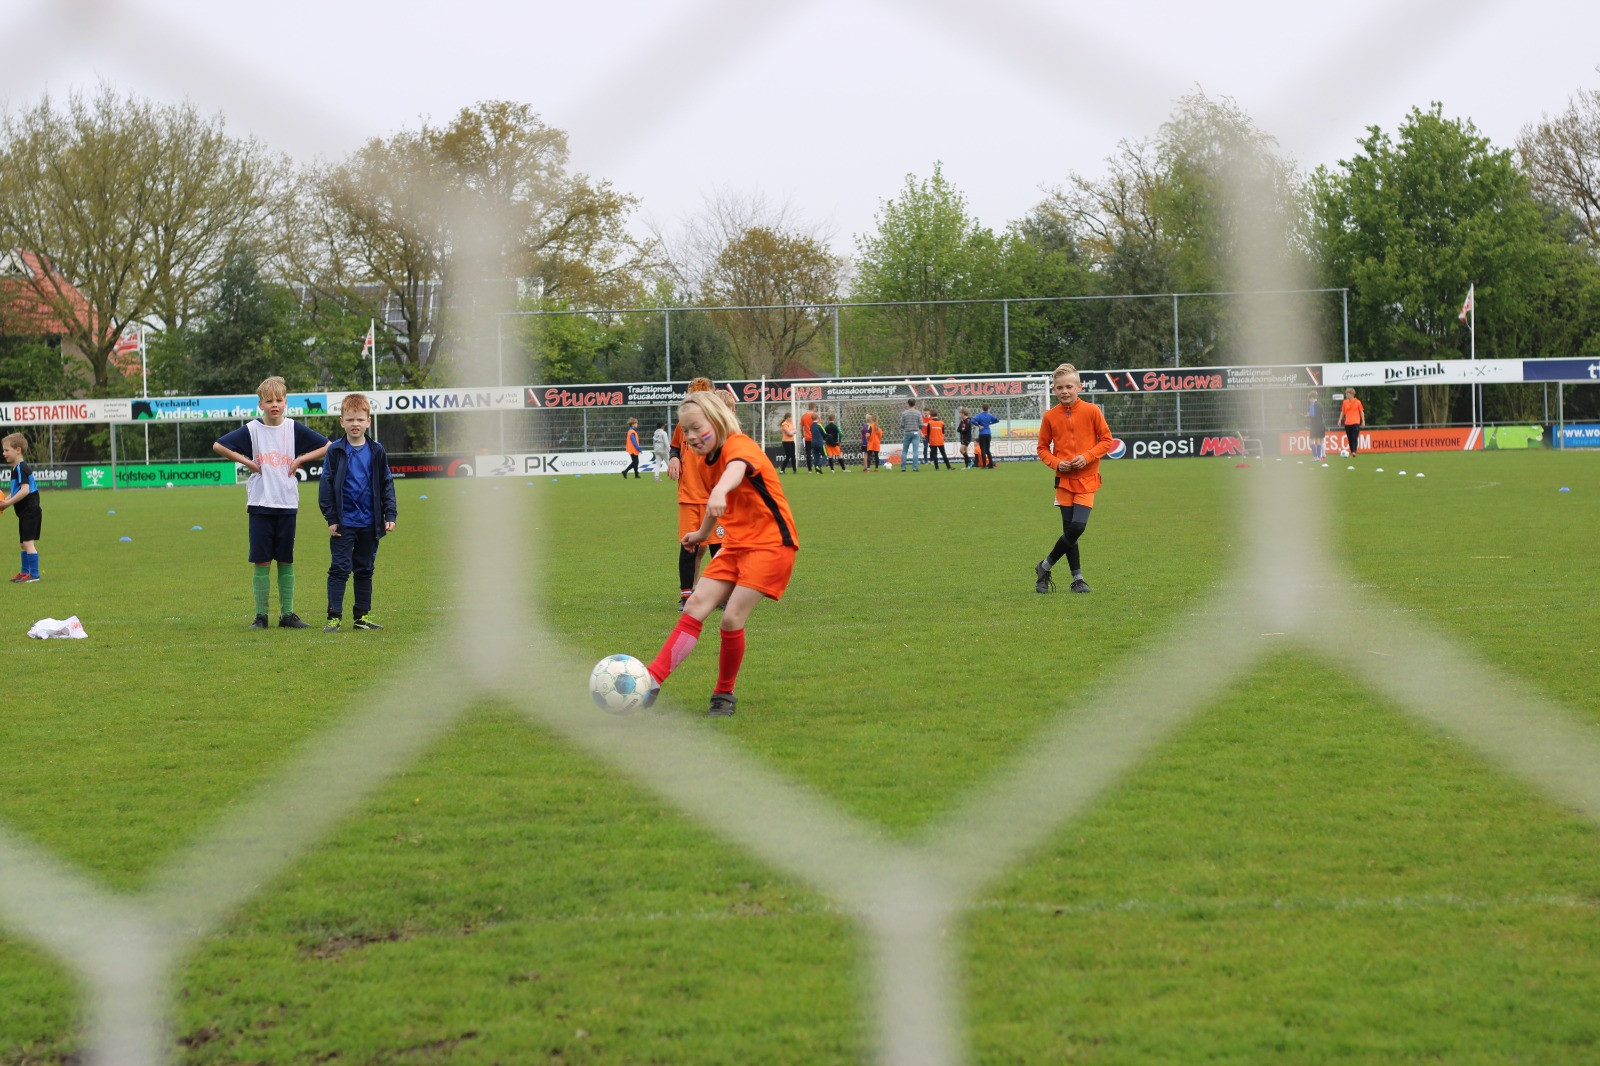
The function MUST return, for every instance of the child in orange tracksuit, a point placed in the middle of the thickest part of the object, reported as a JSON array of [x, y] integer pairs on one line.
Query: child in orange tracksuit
[[1073, 438], [871, 443], [758, 550]]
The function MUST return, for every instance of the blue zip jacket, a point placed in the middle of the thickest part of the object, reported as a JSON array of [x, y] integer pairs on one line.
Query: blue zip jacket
[[330, 495]]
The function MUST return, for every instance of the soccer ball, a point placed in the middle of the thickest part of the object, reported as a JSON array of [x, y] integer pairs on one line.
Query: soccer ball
[[620, 683]]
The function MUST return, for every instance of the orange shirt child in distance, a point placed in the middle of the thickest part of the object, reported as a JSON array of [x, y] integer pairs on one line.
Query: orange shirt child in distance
[[808, 416], [631, 443], [935, 429], [1073, 438], [689, 471], [1351, 416], [758, 549], [870, 459]]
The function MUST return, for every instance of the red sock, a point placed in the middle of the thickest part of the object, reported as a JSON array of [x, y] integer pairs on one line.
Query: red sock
[[729, 658], [680, 642]]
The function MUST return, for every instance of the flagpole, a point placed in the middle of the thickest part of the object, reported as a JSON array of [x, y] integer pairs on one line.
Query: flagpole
[[1472, 329], [144, 388], [372, 343]]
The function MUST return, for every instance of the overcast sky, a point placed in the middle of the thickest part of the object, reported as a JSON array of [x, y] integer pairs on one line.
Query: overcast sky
[[827, 104]]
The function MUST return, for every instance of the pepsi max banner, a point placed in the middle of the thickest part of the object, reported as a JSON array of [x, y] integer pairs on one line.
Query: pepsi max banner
[[1175, 445]]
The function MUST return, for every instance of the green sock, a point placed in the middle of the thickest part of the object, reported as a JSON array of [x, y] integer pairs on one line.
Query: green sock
[[259, 578], [286, 587]]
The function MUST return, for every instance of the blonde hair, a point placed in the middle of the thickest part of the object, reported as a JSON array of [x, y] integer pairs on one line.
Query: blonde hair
[[1063, 370], [16, 440], [717, 411], [355, 402], [272, 389]]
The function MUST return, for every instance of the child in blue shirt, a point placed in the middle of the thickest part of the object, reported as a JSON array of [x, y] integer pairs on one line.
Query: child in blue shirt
[[24, 497], [357, 500]]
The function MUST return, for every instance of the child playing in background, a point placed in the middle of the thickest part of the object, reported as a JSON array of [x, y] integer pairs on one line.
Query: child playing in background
[[357, 500], [660, 445], [758, 549], [871, 444], [936, 450], [631, 443], [831, 442], [24, 497], [272, 448]]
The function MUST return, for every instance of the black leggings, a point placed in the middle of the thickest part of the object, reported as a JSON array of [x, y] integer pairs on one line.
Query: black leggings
[[1074, 520], [985, 457], [788, 457], [633, 466], [1352, 434]]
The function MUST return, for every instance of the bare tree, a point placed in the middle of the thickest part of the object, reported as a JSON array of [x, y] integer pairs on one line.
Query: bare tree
[[1562, 158]]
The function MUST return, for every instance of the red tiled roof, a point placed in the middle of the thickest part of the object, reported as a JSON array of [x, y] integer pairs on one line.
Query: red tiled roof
[[44, 303]]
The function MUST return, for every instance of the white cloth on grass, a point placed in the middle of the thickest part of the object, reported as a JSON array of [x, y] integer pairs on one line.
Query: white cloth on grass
[[56, 627]]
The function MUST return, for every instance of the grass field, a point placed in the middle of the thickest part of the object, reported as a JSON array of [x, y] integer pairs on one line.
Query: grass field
[[1304, 874]]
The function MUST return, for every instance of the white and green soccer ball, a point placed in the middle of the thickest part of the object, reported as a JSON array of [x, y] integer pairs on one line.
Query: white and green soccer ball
[[621, 683]]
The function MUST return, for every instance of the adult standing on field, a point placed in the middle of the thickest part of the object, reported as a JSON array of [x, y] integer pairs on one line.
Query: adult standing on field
[[984, 421], [1352, 415], [911, 434]]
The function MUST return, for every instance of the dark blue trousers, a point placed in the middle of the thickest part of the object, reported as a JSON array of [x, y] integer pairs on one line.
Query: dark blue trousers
[[355, 551]]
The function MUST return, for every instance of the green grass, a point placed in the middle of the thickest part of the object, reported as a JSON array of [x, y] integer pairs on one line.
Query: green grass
[[1304, 874]]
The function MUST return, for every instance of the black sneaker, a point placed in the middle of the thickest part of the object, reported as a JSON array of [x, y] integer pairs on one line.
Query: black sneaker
[[1080, 585], [260, 622], [1044, 582], [291, 621], [335, 624], [364, 623], [722, 705]]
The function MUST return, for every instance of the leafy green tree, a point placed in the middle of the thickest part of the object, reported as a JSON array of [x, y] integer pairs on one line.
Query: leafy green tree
[[1562, 158], [135, 203], [248, 333], [928, 247], [1040, 257], [385, 224], [1411, 221]]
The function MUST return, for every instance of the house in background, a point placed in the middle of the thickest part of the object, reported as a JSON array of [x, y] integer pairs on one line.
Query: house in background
[[38, 303]]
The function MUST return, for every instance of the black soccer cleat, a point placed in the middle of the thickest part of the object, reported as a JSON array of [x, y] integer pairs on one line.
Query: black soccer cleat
[[291, 621], [260, 622], [722, 705], [363, 622], [1045, 582], [1080, 585]]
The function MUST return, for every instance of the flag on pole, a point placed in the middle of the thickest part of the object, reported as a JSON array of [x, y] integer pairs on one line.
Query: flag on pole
[[1466, 306], [371, 343], [125, 352]]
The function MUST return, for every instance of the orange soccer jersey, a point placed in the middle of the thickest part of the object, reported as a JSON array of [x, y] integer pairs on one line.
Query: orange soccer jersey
[[935, 428], [693, 484], [758, 514], [874, 438], [1067, 432], [1351, 413]]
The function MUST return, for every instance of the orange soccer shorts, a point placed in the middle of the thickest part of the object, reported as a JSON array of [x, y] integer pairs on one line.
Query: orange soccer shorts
[[767, 570], [835, 450], [690, 515], [1067, 498]]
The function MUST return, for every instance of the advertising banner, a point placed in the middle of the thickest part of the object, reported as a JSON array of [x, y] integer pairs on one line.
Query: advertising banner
[[218, 408], [1468, 439], [56, 411], [438, 466], [554, 464], [429, 401], [1578, 435], [1561, 370], [1425, 372], [1504, 438], [157, 475], [1176, 445]]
